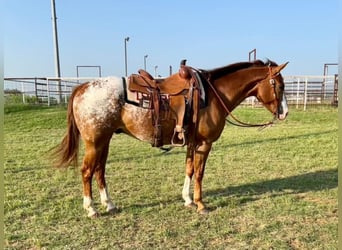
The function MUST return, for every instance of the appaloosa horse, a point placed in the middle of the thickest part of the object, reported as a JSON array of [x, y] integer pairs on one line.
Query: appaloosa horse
[[98, 109]]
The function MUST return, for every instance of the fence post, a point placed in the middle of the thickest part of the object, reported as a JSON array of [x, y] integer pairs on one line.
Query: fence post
[[323, 88], [335, 94], [298, 85], [36, 90], [65, 95], [23, 91], [59, 91], [47, 91], [305, 92]]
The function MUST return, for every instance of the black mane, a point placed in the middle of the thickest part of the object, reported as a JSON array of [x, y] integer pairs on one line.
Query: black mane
[[221, 71]]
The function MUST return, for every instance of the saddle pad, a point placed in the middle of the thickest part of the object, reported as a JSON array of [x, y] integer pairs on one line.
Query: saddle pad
[[203, 90], [130, 96]]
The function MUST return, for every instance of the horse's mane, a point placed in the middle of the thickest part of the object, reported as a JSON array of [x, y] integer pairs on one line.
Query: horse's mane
[[221, 71]]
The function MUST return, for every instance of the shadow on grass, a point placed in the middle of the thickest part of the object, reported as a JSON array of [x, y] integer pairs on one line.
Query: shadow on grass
[[284, 138], [252, 142], [307, 182], [169, 151], [314, 181]]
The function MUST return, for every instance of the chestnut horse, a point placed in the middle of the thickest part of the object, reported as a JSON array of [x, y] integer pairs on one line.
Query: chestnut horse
[[97, 110]]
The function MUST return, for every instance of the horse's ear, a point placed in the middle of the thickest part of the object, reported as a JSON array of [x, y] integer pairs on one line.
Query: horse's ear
[[279, 68], [282, 66]]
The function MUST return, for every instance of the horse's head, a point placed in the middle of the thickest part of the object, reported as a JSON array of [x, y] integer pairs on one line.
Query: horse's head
[[270, 92]]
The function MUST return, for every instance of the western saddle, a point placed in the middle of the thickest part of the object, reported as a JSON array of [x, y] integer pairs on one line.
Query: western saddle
[[179, 93]]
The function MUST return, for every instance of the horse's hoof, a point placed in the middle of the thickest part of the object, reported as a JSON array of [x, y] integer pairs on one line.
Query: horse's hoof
[[203, 211], [93, 215], [113, 210], [190, 205]]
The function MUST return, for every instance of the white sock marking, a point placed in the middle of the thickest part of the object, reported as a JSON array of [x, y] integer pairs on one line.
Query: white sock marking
[[105, 200], [186, 191], [88, 205]]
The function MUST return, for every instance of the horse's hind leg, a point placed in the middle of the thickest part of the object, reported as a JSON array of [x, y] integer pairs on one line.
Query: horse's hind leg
[[87, 170], [94, 162], [101, 181]]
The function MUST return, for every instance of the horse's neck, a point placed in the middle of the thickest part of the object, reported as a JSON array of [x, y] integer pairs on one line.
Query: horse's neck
[[237, 86]]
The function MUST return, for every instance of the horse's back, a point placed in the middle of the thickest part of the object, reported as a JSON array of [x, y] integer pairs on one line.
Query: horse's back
[[97, 105]]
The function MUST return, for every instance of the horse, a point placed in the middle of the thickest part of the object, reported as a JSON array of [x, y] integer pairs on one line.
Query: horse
[[97, 110]]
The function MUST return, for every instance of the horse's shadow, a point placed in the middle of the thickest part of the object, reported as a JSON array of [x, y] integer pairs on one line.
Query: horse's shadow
[[169, 150], [242, 194], [313, 181], [277, 139]]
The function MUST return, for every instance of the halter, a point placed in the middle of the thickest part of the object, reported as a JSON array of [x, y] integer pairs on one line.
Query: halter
[[244, 124]]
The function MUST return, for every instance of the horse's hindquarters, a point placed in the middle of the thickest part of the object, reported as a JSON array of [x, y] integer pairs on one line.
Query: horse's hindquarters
[[97, 107]]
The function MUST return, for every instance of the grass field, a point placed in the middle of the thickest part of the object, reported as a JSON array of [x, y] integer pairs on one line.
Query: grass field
[[269, 189]]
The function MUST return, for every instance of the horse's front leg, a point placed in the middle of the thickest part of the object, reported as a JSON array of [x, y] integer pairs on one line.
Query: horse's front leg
[[188, 176], [200, 158]]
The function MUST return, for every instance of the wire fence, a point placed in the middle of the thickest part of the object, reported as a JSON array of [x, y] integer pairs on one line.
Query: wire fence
[[301, 91]]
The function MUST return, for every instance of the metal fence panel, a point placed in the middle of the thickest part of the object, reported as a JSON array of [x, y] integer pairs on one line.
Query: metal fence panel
[[300, 91]]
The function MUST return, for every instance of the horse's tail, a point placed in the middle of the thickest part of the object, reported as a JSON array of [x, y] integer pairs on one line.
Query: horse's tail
[[66, 153]]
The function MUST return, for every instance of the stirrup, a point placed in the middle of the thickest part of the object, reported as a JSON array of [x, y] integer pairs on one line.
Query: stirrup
[[180, 135]]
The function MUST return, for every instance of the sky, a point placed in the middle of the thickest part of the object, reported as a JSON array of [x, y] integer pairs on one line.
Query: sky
[[208, 34]]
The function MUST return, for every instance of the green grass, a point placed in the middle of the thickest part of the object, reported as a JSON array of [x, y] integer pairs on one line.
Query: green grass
[[269, 189]]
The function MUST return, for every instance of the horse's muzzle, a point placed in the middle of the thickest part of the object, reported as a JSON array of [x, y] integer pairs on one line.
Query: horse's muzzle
[[283, 109], [282, 116]]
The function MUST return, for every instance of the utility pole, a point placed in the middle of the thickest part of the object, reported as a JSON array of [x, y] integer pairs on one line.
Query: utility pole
[[55, 39], [126, 40], [145, 62], [155, 70]]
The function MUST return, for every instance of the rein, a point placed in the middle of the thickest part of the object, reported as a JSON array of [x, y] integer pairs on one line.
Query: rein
[[237, 121]]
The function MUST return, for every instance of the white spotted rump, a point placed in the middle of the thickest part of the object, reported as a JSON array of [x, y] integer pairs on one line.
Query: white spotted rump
[[100, 103]]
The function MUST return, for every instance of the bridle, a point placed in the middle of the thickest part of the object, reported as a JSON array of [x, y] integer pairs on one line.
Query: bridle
[[238, 122]]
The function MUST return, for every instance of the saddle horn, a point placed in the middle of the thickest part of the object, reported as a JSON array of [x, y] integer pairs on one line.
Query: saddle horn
[[184, 70]]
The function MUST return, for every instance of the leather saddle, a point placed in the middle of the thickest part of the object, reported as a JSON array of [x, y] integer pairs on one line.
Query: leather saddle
[[144, 82], [180, 93]]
